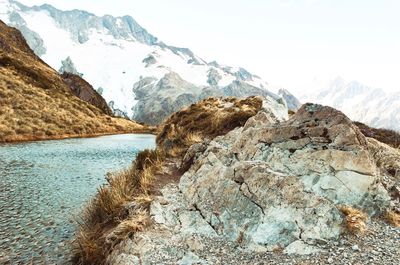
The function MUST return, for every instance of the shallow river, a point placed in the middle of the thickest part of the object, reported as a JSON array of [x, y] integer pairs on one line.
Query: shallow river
[[43, 185]]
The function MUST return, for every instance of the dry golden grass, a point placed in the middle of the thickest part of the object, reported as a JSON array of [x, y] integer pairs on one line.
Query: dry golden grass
[[119, 209], [32, 113], [206, 119], [127, 227], [354, 220], [192, 138], [393, 218]]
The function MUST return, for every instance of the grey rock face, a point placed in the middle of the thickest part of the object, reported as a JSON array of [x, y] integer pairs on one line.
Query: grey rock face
[[100, 90], [157, 100], [243, 75], [292, 102], [149, 60], [117, 112], [213, 77], [241, 89]]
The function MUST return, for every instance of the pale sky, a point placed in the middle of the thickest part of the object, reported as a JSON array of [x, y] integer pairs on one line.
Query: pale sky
[[287, 42]]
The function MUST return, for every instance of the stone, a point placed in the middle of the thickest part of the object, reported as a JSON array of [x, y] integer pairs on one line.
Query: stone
[[300, 248], [355, 248], [190, 259]]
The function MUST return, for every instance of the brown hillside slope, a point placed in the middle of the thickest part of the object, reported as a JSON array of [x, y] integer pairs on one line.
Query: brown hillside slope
[[35, 102]]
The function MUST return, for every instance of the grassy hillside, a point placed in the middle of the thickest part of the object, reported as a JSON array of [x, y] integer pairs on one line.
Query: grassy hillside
[[35, 102]]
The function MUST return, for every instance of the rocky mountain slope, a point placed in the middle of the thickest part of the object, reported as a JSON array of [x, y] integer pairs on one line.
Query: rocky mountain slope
[[115, 54], [36, 103], [361, 103]]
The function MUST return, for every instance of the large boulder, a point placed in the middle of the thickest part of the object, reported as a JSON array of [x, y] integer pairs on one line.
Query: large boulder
[[271, 184]]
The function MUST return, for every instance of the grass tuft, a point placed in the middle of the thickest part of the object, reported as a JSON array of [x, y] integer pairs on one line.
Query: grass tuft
[[354, 220], [393, 218]]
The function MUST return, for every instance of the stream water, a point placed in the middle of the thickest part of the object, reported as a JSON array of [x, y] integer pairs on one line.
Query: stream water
[[43, 186]]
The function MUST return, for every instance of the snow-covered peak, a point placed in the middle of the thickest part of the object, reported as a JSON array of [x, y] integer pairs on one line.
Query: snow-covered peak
[[80, 23]]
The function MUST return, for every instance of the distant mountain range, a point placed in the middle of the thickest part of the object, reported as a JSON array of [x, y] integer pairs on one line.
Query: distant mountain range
[[360, 102], [139, 76]]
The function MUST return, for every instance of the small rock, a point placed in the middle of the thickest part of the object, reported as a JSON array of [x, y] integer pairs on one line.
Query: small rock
[[355, 248]]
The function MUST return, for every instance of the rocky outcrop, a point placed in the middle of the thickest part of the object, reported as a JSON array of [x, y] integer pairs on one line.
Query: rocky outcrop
[[388, 160], [271, 184], [85, 91], [149, 60]]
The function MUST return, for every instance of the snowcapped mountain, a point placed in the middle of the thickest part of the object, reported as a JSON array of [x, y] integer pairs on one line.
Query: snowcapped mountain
[[361, 103], [115, 54]]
